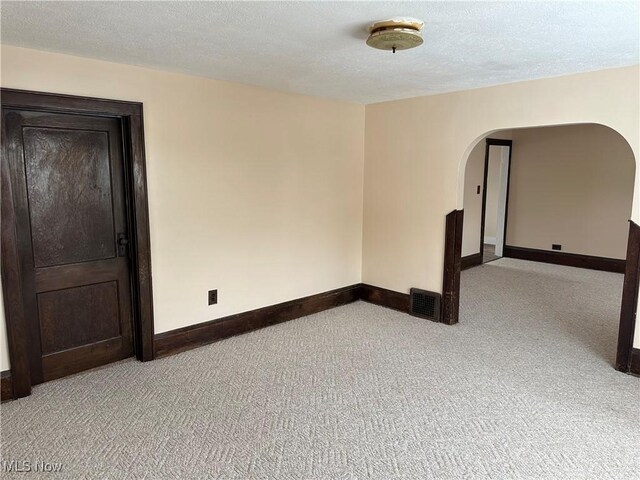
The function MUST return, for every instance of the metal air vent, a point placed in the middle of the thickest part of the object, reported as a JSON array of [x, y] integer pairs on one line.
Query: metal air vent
[[425, 304]]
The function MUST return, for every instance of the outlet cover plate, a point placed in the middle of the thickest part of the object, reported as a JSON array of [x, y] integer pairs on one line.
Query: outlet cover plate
[[213, 297]]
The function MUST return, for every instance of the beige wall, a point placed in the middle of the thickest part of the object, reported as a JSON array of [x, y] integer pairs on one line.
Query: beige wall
[[253, 192], [571, 185], [266, 188], [416, 150]]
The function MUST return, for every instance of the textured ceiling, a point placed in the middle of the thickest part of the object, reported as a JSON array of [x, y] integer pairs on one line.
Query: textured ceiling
[[318, 48]]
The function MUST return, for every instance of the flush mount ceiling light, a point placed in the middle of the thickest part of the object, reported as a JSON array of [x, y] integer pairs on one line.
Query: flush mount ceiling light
[[396, 34]]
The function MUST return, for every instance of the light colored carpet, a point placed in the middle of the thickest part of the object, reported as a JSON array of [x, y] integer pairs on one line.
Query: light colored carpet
[[523, 387]]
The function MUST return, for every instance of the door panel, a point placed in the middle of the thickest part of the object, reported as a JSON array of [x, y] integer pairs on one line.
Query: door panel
[[70, 209], [78, 359], [78, 316], [79, 160]]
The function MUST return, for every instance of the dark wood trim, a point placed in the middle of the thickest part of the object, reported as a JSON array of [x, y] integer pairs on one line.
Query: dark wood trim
[[58, 102], [498, 143], [136, 179], [6, 390], [628, 310], [634, 363], [566, 259], [469, 261], [192, 336], [12, 281], [385, 298], [131, 116], [452, 267], [506, 200], [483, 212]]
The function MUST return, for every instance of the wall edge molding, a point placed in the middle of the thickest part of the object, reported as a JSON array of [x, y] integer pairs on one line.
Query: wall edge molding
[[6, 390], [472, 260], [193, 336], [577, 260], [200, 334], [634, 362], [384, 297]]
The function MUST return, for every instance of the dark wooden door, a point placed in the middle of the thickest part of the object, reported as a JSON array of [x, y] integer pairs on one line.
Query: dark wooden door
[[70, 211]]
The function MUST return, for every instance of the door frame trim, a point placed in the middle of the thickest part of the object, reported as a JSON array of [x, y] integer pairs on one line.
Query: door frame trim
[[630, 293], [628, 308], [130, 115], [497, 142], [452, 267]]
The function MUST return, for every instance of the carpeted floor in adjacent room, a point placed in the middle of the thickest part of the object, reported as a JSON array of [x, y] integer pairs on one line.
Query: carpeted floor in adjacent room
[[522, 388]]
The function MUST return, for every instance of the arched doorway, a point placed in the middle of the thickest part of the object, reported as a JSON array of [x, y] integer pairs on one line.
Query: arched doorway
[[596, 236]]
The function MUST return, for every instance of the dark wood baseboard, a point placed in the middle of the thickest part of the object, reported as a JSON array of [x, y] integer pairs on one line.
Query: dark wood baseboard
[[567, 259], [472, 260], [6, 389], [385, 298], [192, 336], [634, 364]]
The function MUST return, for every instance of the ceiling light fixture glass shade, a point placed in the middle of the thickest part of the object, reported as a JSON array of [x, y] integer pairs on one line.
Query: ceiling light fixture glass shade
[[396, 34]]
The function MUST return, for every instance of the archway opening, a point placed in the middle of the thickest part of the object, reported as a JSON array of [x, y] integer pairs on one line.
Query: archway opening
[[565, 194]]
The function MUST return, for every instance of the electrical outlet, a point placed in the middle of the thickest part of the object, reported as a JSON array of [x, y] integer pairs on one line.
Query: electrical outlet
[[213, 297], [556, 246], [478, 190]]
